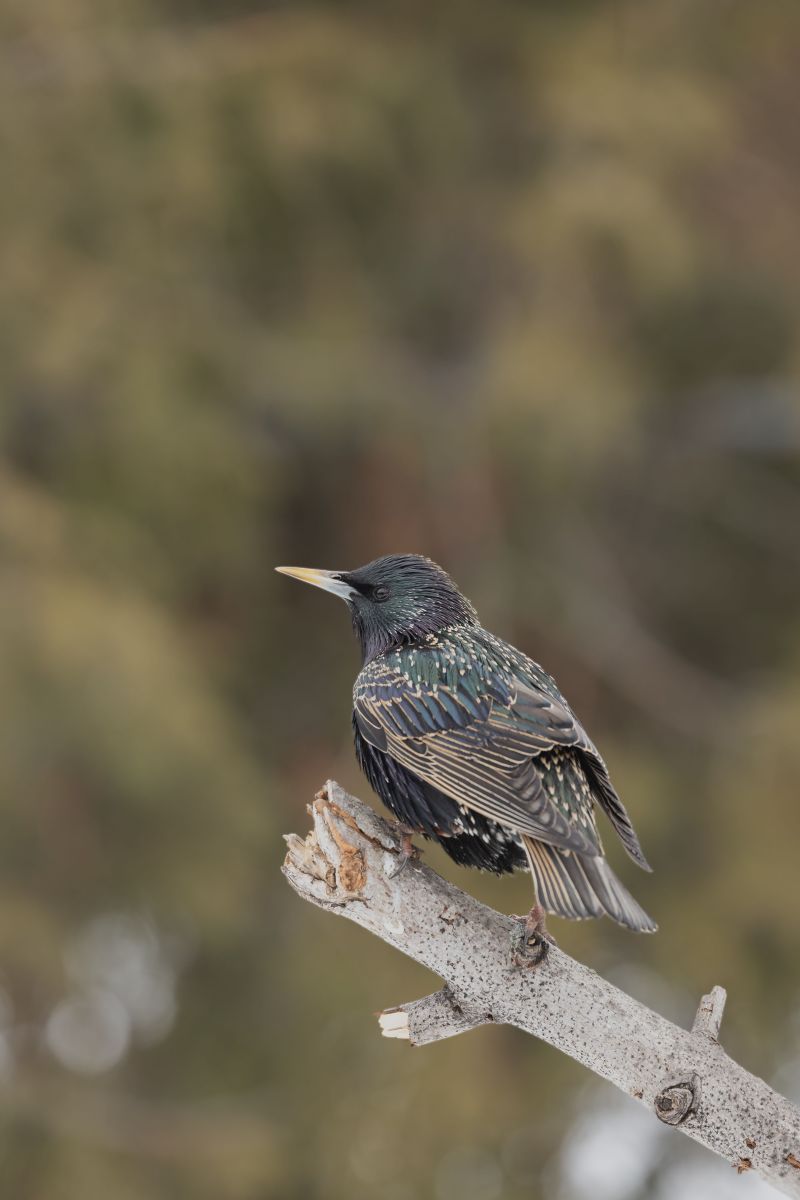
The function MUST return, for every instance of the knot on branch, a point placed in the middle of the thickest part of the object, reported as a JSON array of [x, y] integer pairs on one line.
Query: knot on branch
[[677, 1100]]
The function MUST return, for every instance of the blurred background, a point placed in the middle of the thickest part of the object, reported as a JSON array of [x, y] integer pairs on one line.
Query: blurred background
[[515, 286]]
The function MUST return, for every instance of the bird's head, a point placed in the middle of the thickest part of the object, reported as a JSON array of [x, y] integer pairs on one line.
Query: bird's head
[[394, 601]]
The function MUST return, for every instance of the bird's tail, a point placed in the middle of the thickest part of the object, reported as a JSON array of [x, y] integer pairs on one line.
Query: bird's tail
[[582, 885]]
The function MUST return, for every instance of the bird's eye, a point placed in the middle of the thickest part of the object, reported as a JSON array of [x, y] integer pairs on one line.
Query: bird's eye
[[381, 592]]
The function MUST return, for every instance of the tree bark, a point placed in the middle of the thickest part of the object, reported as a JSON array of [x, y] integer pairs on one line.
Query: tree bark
[[351, 863]]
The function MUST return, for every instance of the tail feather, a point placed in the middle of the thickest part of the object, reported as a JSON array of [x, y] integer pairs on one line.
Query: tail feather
[[578, 886], [615, 897]]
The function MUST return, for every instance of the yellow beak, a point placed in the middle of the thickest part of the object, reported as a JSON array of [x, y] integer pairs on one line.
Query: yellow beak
[[329, 581]]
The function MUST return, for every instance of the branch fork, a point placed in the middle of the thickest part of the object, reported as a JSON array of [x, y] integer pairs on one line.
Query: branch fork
[[349, 864]]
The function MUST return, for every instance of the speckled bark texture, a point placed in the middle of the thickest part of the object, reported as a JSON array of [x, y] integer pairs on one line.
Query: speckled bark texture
[[350, 864]]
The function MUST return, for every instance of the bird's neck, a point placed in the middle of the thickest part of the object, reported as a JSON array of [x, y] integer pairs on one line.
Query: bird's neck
[[376, 640]]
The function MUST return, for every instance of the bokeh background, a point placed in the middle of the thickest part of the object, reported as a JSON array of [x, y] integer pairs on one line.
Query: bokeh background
[[514, 285]]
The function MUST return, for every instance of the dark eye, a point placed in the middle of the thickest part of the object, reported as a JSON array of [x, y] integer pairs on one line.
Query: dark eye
[[381, 592]]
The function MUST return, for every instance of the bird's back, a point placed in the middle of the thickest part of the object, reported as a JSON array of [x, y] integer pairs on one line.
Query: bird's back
[[469, 741]]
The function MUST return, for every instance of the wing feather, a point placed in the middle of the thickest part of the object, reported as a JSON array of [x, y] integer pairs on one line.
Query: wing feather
[[479, 753]]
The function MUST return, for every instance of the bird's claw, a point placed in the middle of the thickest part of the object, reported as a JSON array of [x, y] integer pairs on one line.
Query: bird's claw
[[407, 851], [529, 950], [530, 941]]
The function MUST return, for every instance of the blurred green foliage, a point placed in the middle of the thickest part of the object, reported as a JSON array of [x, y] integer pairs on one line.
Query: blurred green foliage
[[515, 286]]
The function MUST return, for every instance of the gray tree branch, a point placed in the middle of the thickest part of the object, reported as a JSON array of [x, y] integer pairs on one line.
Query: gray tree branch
[[350, 864]]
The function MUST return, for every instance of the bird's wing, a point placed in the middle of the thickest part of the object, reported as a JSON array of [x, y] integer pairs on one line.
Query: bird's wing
[[572, 733], [477, 744], [606, 794]]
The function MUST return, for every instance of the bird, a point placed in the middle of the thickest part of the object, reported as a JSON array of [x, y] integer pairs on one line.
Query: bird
[[470, 743]]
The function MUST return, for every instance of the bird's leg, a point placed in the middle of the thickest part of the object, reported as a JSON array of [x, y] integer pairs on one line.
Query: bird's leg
[[531, 942], [407, 851]]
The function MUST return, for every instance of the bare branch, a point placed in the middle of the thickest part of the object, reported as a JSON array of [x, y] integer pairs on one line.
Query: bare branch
[[350, 864]]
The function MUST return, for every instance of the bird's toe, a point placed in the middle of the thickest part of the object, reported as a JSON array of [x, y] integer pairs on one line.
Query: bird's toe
[[531, 942], [407, 852]]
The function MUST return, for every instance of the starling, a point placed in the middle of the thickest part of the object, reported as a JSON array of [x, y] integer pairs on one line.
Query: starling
[[469, 742]]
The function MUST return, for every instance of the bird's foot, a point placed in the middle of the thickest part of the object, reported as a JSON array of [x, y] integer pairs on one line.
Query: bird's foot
[[407, 851], [530, 942]]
